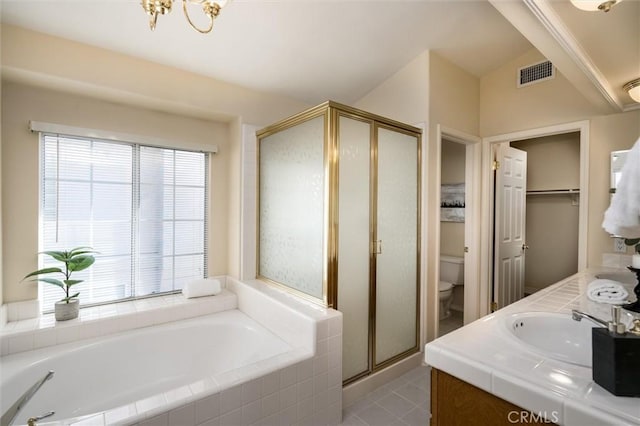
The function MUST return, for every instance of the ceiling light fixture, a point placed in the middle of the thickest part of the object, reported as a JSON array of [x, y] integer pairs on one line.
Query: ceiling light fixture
[[633, 88], [211, 8], [593, 5]]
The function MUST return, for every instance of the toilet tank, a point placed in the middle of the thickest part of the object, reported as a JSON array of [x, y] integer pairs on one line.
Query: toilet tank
[[452, 269]]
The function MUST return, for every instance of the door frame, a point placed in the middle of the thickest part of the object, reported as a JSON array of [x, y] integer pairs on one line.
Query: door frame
[[472, 222], [486, 228]]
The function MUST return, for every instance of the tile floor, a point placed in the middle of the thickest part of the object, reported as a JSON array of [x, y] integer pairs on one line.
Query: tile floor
[[401, 402], [447, 325]]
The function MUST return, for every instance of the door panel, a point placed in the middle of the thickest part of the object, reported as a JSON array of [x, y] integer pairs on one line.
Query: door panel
[[354, 243], [511, 185], [397, 235]]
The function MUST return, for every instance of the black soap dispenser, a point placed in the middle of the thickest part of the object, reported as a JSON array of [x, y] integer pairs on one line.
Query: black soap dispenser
[[616, 356]]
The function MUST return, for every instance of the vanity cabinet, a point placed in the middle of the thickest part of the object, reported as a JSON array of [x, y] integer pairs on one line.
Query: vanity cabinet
[[456, 402]]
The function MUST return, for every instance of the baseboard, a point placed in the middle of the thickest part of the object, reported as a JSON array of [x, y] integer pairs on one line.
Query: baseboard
[[354, 391], [530, 290]]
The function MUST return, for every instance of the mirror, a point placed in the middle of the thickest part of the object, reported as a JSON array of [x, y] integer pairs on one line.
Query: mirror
[[617, 162]]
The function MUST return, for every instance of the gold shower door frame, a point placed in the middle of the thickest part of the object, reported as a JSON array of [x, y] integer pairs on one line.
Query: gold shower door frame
[[332, 112]]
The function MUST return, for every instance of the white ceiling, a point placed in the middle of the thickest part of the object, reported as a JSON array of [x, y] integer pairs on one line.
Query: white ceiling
[[310, 50], [314, 50]]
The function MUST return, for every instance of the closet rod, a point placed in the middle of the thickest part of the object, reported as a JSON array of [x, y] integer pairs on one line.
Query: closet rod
[[553, 191]]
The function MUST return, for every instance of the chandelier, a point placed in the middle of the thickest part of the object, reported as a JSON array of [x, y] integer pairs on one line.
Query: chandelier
[[211, 8]]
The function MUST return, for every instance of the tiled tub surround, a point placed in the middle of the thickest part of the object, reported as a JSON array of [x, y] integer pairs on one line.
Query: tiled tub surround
[[301, 385], [484, 355]]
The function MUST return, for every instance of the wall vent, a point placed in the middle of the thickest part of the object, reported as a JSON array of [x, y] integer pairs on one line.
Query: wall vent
[[536, 73]]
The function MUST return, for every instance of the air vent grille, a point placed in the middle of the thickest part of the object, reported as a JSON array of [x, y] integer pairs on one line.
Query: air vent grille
[[535, 73]]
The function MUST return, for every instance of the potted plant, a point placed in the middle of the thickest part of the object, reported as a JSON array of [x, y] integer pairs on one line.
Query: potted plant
[[74, 260]]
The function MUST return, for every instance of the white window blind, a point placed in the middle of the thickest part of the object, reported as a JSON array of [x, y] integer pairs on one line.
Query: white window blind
[[143, 209]]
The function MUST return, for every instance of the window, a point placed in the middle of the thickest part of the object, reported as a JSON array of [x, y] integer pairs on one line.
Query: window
[[144, 209]]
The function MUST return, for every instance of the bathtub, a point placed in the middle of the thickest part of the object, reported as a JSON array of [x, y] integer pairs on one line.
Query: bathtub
[[130, 376]]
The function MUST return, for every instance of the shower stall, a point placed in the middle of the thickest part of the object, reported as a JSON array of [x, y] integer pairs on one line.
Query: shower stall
[[339, 224]]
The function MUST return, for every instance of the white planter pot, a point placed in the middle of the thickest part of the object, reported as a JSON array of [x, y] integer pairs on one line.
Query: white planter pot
[[66, 311]]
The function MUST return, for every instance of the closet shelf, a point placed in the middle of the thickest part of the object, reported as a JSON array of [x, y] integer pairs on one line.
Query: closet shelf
[[553, 191]]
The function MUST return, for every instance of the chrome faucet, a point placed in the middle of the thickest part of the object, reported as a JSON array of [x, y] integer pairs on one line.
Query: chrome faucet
[[9, 416], [578, 315]]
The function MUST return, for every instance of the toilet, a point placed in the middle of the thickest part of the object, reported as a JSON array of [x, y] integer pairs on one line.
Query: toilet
[[451, 274]]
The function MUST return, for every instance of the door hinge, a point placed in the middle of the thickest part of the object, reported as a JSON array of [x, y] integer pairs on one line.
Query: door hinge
[[494, 306], [496, 165]]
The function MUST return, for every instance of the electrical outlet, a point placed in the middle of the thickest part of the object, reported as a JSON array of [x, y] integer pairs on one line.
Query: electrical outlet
[[619, 245]]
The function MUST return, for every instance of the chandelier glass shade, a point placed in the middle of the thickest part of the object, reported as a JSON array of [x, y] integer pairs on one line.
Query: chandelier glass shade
[[210, 8]]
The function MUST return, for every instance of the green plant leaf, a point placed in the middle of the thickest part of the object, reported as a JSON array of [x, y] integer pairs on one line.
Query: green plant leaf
[[61, 256], [81, 262], [52, 281], [42, 271], [69, 283], [67, 299], [80, 250]]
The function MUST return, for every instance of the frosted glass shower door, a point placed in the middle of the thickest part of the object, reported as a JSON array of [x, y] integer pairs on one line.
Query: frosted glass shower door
[[291, 218], [397, 234], [354, 148]]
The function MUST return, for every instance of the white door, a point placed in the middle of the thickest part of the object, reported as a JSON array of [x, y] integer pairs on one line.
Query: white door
[[510, 205]]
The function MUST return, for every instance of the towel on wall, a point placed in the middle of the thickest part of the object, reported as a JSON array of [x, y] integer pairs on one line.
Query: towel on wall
[[607, 291], [202, 287], [622, 218]]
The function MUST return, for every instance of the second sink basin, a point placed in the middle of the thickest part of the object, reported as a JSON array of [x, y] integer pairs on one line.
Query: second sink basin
[[554, 335]]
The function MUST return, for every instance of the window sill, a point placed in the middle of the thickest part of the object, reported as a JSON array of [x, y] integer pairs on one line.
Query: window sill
[[43, 331]]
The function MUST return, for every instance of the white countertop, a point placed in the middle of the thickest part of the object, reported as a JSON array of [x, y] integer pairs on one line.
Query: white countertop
[[485, 355]]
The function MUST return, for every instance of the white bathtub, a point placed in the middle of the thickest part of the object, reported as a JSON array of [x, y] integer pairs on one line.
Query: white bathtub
[[155, 369]]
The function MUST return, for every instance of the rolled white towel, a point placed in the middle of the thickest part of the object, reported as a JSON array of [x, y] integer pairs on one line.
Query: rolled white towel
[[202, 287], [607, 291]]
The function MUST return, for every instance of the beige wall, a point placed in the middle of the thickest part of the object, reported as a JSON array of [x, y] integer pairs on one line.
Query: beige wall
[[454, 101], [20, 174], [552, 235], [452, 171], [505, 108], [404, 95], [454, 97], [76, 84], [608, 133], [553, 162], [43, 60]]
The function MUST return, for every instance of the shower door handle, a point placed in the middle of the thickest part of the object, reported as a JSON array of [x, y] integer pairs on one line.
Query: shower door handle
[[377, 247]]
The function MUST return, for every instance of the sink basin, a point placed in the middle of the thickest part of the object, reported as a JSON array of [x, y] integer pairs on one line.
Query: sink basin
[[553, 335], [622, 277]]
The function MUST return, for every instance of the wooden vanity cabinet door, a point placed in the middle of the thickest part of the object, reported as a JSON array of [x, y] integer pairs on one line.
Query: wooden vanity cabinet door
[[455, 402]]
